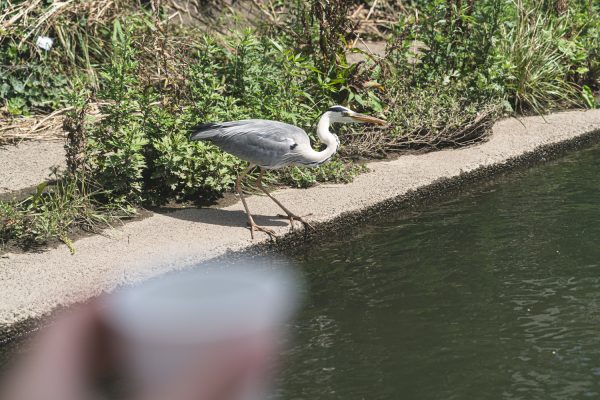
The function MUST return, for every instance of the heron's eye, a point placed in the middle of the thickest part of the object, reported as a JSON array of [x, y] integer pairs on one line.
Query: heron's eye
[[345, 114]]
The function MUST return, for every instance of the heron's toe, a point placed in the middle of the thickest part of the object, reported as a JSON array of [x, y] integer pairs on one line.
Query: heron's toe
[[293, 218], [270, 232]]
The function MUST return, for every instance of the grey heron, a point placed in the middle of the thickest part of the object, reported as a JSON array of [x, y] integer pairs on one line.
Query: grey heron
[[275, 145]]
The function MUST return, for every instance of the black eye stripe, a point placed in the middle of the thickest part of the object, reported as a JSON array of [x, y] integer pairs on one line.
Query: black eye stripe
[[338, 109]]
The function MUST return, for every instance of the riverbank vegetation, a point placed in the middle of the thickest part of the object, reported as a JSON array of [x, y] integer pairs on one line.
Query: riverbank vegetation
[[132, 78]]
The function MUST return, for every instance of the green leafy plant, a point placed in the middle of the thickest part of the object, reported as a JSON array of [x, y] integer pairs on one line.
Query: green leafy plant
[[589, 98], [334, 171], [57, 211], [114, 145], [28, 80], [181, 169], [450, 69]]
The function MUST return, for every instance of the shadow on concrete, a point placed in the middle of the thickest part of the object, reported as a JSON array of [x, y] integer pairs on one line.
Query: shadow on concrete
[[217, 216]]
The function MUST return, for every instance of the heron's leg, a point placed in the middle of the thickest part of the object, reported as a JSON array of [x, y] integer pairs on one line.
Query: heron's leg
[[253, 226], [291, 216]]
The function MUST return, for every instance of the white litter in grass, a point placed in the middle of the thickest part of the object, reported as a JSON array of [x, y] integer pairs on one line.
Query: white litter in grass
[[44, 42]]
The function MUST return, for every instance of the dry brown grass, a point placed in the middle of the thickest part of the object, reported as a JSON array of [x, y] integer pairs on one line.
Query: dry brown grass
[[464, 130], [36, 19], [38, 127], [75, 25], [41, 127]]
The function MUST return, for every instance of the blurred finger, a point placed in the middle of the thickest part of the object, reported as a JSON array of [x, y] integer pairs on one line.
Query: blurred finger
[[57, 366], [224, 379]]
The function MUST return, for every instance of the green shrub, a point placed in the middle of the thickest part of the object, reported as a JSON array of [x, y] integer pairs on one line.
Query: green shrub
[[140, 149], [33, 80], [28, 79], [522, 52], [451, 68], [178, 168], [537, 61], [334, 171], [584, 23], [113, 154], [56, 212]]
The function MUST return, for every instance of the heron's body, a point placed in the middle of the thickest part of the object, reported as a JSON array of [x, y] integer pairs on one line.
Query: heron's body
[[275, 145], [268, 144]]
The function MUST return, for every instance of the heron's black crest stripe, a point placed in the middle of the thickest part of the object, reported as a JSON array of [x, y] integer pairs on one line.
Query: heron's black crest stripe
[[337, 109], [205, 131], [292, 147], [205, 127]]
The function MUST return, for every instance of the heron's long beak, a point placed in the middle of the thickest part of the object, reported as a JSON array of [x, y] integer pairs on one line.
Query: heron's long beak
[[367, 118]]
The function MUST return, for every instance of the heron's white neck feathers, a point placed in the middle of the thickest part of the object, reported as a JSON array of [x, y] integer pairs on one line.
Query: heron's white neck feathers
[[327, 138]]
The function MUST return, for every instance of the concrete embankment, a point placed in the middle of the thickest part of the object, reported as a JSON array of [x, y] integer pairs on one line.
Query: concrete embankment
[[34, 284]]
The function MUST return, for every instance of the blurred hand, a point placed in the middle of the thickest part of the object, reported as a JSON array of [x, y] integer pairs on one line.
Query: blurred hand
[[64, 359]]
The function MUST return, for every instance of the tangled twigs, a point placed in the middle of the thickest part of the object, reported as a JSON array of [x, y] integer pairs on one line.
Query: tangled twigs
[[365, 20], [37, 19], [47, 127], [16, 12], [373, 143], [41, 127]]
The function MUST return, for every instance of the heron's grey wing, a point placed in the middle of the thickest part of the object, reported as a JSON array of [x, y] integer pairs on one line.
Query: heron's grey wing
[[269, 144]]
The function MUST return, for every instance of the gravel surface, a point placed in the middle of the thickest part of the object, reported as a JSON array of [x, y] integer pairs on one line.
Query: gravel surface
[[29, 163], [34, 284]]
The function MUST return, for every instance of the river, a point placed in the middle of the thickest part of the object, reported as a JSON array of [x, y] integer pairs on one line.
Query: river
[[494, 294]]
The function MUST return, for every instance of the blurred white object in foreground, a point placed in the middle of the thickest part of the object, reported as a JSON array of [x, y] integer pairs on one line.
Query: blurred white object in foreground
[[195, 320], [44, 43]]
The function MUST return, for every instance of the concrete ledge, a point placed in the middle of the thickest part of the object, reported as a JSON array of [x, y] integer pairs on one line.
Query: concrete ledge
[[34, 284]]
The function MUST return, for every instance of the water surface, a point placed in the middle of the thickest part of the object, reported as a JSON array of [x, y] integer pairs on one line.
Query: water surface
[[493, 295]]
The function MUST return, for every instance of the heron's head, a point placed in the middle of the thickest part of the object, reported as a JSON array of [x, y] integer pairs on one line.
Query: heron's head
[[345, 115]]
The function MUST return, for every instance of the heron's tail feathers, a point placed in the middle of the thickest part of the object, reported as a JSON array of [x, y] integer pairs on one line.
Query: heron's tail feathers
[[205, 131]]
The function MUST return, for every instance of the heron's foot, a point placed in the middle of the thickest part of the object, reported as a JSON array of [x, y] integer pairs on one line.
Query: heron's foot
[[293, 217], [257, 228]]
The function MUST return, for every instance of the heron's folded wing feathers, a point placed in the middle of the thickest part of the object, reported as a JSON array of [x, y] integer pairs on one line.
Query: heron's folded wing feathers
[[262, 142]]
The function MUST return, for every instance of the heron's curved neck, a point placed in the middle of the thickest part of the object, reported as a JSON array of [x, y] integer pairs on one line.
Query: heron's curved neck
[[327, 138]]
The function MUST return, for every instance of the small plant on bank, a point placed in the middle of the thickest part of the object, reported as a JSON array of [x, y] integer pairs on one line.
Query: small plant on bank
[[334, 171], [56, 212], [28, 82], [537, 64], [589, 98]]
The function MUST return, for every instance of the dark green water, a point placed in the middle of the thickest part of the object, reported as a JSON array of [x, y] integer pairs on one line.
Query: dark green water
[[493, 295]]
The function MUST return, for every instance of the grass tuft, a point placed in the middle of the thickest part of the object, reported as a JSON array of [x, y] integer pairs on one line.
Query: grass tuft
[[537, 64], [55, 212]]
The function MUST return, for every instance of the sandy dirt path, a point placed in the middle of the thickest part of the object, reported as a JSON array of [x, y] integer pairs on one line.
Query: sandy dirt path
[[34, 284], [29, 163]]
